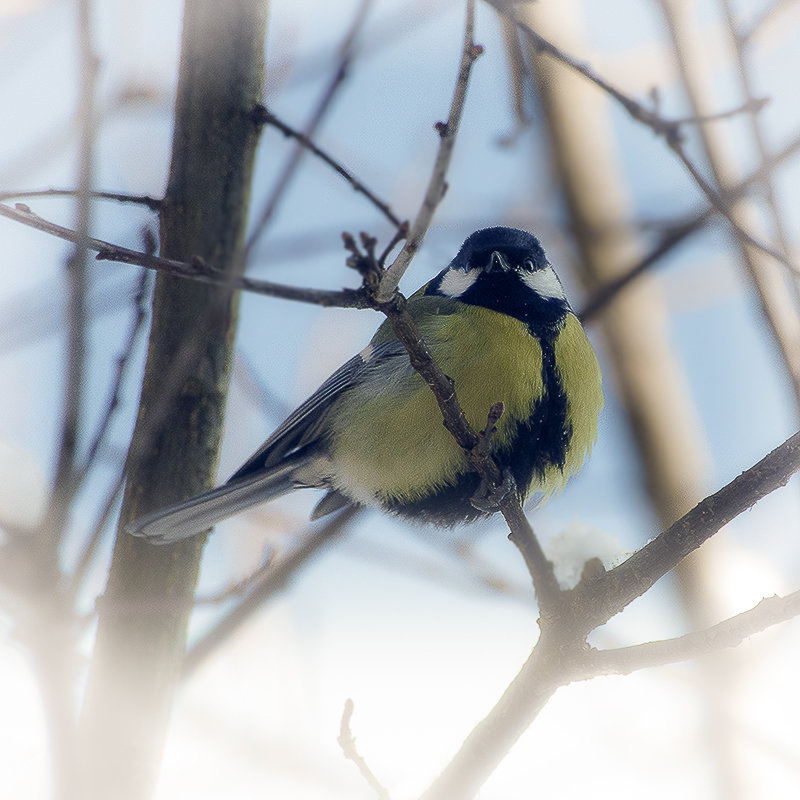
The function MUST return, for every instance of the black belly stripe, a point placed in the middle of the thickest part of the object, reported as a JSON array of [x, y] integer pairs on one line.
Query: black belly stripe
[[539, 442], [543, 439]]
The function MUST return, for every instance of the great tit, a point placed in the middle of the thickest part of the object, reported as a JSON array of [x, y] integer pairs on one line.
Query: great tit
[[496, 320]]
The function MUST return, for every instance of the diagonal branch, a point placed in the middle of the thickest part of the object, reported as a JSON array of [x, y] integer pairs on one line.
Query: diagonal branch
[[728, 633], [437, 185], [197, 269], [678, 233], [669, 129], [560, 655], [293, 162], [264, 116], [596, 601], [503, 497]]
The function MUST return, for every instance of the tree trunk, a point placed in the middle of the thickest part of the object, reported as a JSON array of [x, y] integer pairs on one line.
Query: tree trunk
[[144, 613]]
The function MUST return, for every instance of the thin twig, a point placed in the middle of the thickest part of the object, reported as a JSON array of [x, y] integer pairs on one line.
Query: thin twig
[[153, 203], [137, 324], [678, 233], [758, 131], [272, 582], [92, 541], [437, 186], [242, 586], [290, 168], [265, 116], [669, 129], [752, 106], [64, 485], [196, 270], [728, 633], [348, 744], [51, 650]]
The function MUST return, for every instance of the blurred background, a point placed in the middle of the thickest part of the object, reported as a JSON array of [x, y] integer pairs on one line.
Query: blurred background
[[422, 628]]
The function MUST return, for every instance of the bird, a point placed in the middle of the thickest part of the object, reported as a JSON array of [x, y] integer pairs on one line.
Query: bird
[[498, 323]]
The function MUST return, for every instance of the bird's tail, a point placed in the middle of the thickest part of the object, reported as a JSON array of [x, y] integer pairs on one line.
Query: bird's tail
[[199, 513]]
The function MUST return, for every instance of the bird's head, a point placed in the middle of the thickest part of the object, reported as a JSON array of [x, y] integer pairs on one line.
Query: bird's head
[[505, 270]]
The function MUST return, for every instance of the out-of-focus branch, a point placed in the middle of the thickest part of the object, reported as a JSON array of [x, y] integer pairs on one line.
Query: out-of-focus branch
[[669, 129], [274, 580], [778, 308], [728, 633], [153, 203], [767, 15], [47, 631], [290, 167], [65, 483], [677, 233], [89, 545]]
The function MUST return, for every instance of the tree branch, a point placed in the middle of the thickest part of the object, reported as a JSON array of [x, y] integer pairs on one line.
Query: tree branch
[[597, 600], [728, 633], [437, 186], [264, 116], [153, 203], [669, 129], [678, 233], [273, 581], [197, 270], [293, 162]]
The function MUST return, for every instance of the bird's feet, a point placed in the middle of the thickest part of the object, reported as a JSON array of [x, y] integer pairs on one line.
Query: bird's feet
[[490, 499]]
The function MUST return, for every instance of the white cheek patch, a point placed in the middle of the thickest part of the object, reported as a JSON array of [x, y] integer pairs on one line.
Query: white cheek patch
[[456, 281], [545, 283]]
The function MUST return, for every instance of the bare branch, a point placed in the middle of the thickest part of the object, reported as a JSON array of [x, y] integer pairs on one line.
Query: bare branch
[[265, 116], [560, 653], [751, 106], [290, 168], [136, 327], [678, 233], [240, 587], [273, 581], [766, 16], [437, 185], [197, 270], [90, 544], [65, 485], [669, 129], [596, 601], [728, 633], [348, 744], [153, 203]]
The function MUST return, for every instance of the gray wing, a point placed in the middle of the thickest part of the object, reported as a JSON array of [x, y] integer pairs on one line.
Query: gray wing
[[306, 423]]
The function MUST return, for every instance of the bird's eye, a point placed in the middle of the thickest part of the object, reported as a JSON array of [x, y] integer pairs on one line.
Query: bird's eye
[[527, 264]]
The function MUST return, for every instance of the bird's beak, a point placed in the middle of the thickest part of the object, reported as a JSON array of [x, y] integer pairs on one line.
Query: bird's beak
[[498, 263]]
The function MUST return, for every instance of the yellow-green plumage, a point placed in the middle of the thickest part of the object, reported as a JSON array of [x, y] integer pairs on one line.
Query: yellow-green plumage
[[497, 321], [580, 373], [490, 356]]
